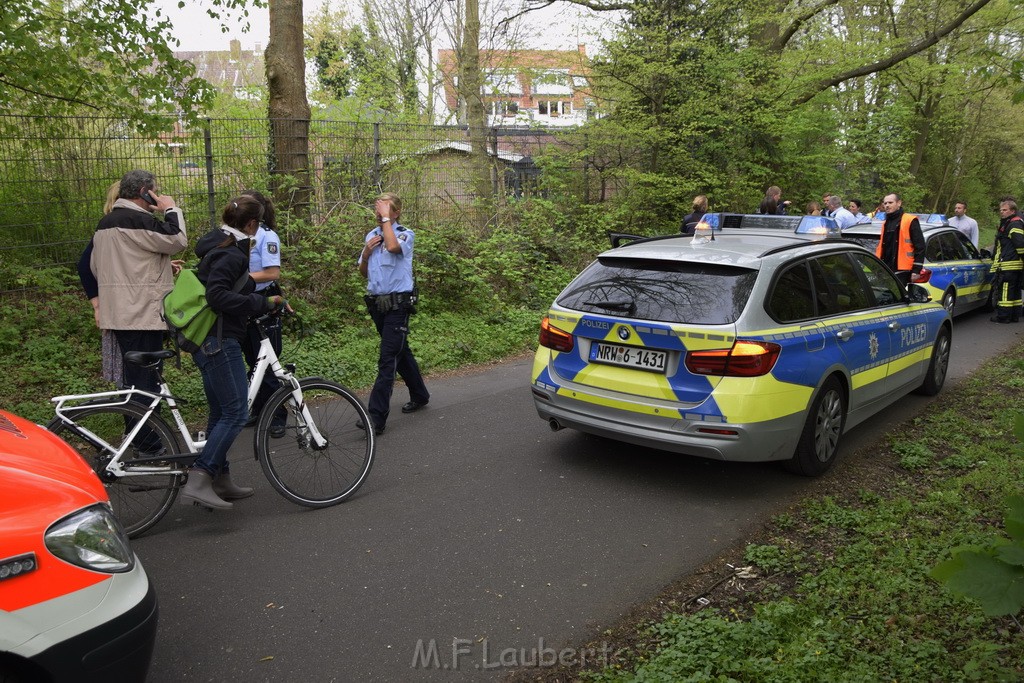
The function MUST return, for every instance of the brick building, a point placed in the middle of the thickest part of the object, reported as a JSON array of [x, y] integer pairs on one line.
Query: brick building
[[542, 87]]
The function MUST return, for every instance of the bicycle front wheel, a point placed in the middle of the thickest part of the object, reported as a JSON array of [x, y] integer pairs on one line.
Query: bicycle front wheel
[[139, 500], [300, 470]]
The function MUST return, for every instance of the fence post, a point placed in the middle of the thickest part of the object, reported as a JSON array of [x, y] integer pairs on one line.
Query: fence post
[[376, 157], [211, 200], [494, 162], [586, 169]]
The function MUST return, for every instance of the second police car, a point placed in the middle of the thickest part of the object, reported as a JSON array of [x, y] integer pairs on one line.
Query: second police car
[[750, 345], [955, 271]]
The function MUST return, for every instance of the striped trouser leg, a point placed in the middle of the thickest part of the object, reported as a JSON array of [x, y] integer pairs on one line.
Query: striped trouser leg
[[1008, 290]]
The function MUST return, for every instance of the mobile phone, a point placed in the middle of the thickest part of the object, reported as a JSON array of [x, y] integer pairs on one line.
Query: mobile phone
[[145, 194]]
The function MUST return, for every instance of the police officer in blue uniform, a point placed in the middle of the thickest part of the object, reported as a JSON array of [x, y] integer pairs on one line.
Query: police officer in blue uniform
[[386, 263], [265, 269]]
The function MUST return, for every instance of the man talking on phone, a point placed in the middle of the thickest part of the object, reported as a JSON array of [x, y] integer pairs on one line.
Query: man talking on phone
[[386, 263], [131, 260]]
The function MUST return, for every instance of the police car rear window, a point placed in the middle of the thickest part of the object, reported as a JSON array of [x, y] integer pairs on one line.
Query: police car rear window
[[663, 291]]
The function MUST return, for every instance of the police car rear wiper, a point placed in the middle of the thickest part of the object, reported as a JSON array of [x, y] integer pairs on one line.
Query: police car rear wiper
[[628, 306]]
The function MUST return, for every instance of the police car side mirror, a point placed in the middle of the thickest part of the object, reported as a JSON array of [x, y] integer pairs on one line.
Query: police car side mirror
[[904, 278], [918, 294], [985, 253]]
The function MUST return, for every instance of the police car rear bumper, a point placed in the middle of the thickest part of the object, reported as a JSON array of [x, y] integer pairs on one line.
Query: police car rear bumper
[[755, 442], [119, 648]]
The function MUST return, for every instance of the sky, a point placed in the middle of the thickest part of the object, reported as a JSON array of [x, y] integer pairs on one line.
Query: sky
[[553, 28]]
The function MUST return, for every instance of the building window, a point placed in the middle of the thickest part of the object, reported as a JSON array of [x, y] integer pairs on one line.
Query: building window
[[554, 108], [502, 83], [504, 108], [552, 82]]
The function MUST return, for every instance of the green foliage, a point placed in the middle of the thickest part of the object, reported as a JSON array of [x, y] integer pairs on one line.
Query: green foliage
[[772, 558], [724, 100], [57, 59], [993, 574], [913, 455], [848, 595], [481, 299]]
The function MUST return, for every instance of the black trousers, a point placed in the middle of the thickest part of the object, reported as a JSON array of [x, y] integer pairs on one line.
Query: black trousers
[[1006, 288], [250, 349], [141, 378], [395, 357]]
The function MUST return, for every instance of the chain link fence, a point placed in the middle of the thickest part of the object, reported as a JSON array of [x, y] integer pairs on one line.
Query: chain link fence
[[55, 173]]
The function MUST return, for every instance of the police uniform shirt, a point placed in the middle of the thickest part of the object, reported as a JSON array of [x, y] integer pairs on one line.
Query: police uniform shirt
[[266, 253], [388, 273]]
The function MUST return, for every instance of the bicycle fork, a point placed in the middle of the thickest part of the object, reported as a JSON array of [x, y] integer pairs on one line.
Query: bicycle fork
[[309, 435]]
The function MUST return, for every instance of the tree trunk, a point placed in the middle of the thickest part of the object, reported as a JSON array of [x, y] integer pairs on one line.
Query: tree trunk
[[471, 87], [289, 112]]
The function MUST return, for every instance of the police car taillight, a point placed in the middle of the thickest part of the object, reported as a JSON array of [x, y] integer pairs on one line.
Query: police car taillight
[[924, 276], [744, 359], [554, 338]]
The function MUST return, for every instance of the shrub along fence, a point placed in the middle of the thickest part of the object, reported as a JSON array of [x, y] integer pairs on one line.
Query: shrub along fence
[[54, 174]]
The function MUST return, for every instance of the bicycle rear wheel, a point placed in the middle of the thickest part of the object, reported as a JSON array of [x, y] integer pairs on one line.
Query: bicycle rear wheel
[[302, 472], [138, 500]]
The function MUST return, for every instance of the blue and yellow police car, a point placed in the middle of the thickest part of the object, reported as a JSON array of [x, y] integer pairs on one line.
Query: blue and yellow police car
[[739, 345], [955, 271]]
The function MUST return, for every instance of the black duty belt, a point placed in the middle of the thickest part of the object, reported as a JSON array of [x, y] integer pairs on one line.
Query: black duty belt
[[390, 302]]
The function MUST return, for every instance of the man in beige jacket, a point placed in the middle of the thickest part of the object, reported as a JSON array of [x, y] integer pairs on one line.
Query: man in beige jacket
[[131, 259]]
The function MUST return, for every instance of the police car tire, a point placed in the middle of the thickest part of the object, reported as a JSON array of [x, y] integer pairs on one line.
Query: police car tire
[[823, 430], [949, 301], [938, 367]]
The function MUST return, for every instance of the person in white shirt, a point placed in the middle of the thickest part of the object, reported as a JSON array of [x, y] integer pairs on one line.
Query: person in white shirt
[[964, 223], [855, 208], [843, 218]]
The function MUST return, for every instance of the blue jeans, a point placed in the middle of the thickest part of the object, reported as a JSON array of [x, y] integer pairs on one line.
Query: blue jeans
[[226, 386]]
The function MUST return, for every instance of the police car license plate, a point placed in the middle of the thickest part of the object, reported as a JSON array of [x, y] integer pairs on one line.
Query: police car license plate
[[628, 356]]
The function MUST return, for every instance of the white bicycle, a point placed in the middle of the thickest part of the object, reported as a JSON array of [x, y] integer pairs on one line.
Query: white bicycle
[[323, 457]]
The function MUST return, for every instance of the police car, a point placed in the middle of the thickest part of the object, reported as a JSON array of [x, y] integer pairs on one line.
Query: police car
[[955, 271], [736, 345], [75, 603]]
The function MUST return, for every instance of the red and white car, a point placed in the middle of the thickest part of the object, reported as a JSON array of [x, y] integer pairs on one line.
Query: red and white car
[[75, 603]]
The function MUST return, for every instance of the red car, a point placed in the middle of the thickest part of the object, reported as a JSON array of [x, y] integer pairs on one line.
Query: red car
[[75, 603]]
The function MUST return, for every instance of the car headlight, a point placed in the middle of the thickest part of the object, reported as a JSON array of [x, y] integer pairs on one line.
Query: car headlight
[[92, 539]]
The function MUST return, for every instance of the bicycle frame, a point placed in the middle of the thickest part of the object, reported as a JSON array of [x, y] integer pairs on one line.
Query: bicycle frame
[[267, 359]]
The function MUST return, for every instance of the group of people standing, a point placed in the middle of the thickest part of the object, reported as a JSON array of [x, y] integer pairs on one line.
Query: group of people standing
[[127, 268], [901, 243]]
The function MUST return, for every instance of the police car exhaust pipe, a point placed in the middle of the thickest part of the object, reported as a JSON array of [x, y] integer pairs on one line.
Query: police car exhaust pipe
[[555, 426]]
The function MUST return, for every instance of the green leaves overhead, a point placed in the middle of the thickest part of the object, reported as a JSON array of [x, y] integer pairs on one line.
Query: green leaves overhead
[[822, 95], [109, 57]]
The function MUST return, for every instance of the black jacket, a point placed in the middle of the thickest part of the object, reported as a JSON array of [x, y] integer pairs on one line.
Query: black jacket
[[1009, 244], [690, 222], [219, 270]]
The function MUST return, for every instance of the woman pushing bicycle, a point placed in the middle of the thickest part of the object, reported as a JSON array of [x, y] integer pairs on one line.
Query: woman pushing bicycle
[[225, 260]]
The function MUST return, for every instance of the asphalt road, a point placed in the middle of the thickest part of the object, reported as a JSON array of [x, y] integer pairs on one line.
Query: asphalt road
[[479, 530]]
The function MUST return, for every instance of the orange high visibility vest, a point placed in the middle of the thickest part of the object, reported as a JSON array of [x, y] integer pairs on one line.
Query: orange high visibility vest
[[904, 245]]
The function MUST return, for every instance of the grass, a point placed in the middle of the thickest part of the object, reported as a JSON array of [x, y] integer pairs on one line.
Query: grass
[[837, 587]]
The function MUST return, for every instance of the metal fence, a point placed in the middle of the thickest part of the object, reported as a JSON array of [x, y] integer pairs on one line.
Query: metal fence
[[54, 174]]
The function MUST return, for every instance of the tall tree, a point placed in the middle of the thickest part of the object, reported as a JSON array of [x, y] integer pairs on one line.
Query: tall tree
[[289, 111]]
